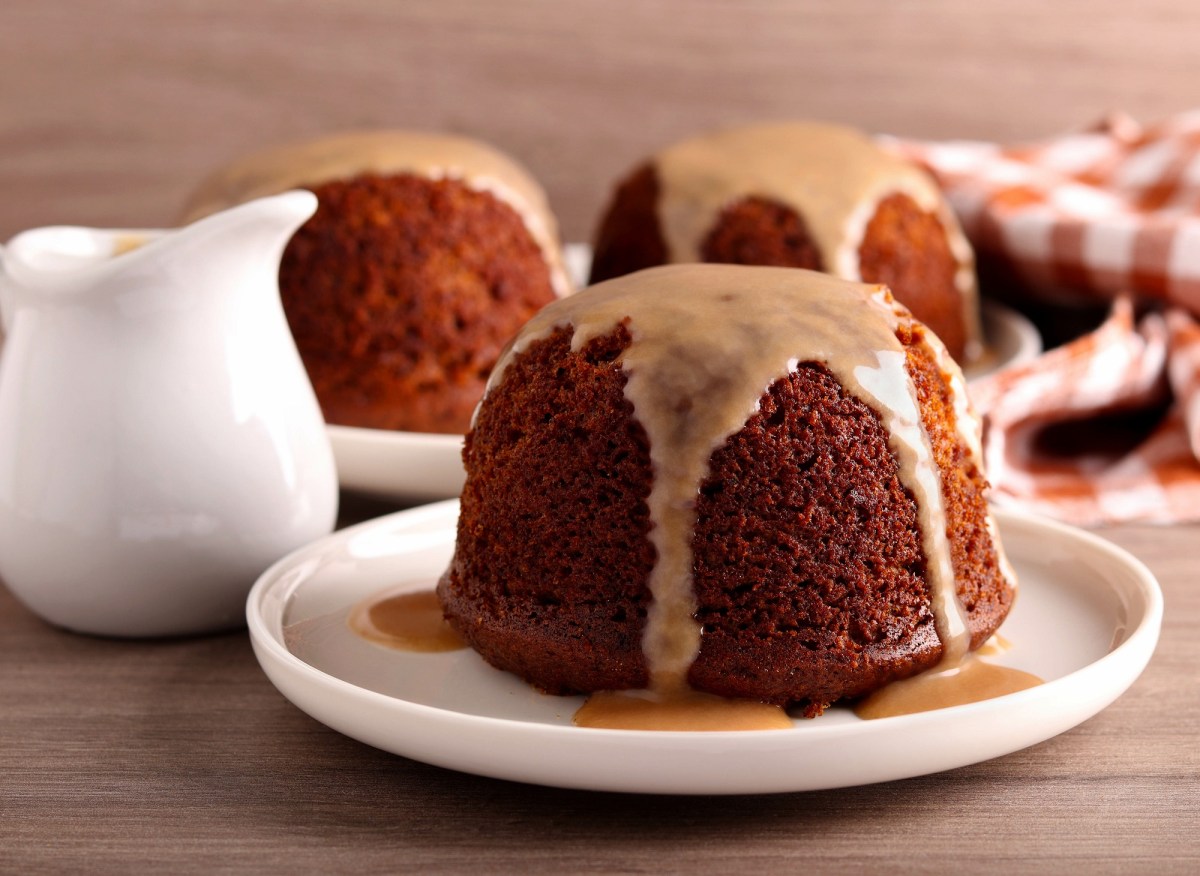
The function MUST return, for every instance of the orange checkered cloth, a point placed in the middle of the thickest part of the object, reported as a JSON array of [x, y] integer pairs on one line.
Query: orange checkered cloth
[[1105, 429]]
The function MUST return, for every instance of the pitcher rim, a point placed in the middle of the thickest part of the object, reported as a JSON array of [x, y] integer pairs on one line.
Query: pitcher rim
[[18, 261]]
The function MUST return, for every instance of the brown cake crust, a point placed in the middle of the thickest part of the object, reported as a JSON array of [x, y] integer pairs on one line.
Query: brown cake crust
[[809, 570], [401, 292], [808, 498], [981, 584], [629, 238], [549, 578], [906, 249], [756, 231], [808, 564]]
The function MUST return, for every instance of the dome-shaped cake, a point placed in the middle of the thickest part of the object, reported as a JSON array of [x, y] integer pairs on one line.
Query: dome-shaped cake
[[425, 255], [763, 483], [801, 195]]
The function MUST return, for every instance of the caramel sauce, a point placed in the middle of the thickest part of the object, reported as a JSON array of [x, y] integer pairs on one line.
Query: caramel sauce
[[680, 709], [345, 156], [406, 622], [832, 176], [969, 680], [127, 243]]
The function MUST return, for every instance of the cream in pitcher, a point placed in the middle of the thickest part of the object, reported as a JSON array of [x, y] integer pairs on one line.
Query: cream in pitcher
[[160, 444]]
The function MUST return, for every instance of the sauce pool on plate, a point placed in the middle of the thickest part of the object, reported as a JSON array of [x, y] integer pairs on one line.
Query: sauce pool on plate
[[409, 621], [413, 621], [677, 710], [968, 680]]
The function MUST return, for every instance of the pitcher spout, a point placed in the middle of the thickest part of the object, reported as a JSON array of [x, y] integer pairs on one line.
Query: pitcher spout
[[47, 265], [246, 240], [266, 224]]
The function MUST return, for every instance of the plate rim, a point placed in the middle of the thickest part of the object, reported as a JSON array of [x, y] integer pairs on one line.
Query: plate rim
[[427, 439], [1024, 335], [284, 669]]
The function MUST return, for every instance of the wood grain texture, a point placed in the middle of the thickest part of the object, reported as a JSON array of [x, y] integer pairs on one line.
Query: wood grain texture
[[110, 112], [179, 756]]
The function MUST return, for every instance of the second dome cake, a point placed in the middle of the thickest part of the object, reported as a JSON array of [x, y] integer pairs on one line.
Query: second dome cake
[[426, 253], [760, 483], [802, 195]]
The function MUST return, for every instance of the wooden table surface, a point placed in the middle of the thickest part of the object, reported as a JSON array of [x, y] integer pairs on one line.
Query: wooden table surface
[[179, 756], [110, 113]]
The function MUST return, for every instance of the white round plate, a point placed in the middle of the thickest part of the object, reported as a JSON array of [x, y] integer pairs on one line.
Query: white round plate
[[410, 467], [1086, 621], [1009, 338], [415, 467]]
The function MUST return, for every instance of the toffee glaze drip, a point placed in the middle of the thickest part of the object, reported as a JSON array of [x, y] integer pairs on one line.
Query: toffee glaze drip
[[707, 342], [345, 156], [792, 164], [951, 683]]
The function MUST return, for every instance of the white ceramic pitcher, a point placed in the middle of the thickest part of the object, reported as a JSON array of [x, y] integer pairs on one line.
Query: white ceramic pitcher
[[160, 444]]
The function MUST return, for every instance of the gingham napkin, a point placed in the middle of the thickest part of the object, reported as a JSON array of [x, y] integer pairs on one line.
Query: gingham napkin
[[1105, 429]]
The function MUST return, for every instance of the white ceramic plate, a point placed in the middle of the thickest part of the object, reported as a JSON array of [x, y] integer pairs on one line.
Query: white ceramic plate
[[414, 467], [1086, 621], [1009, 338], [410, 467]]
